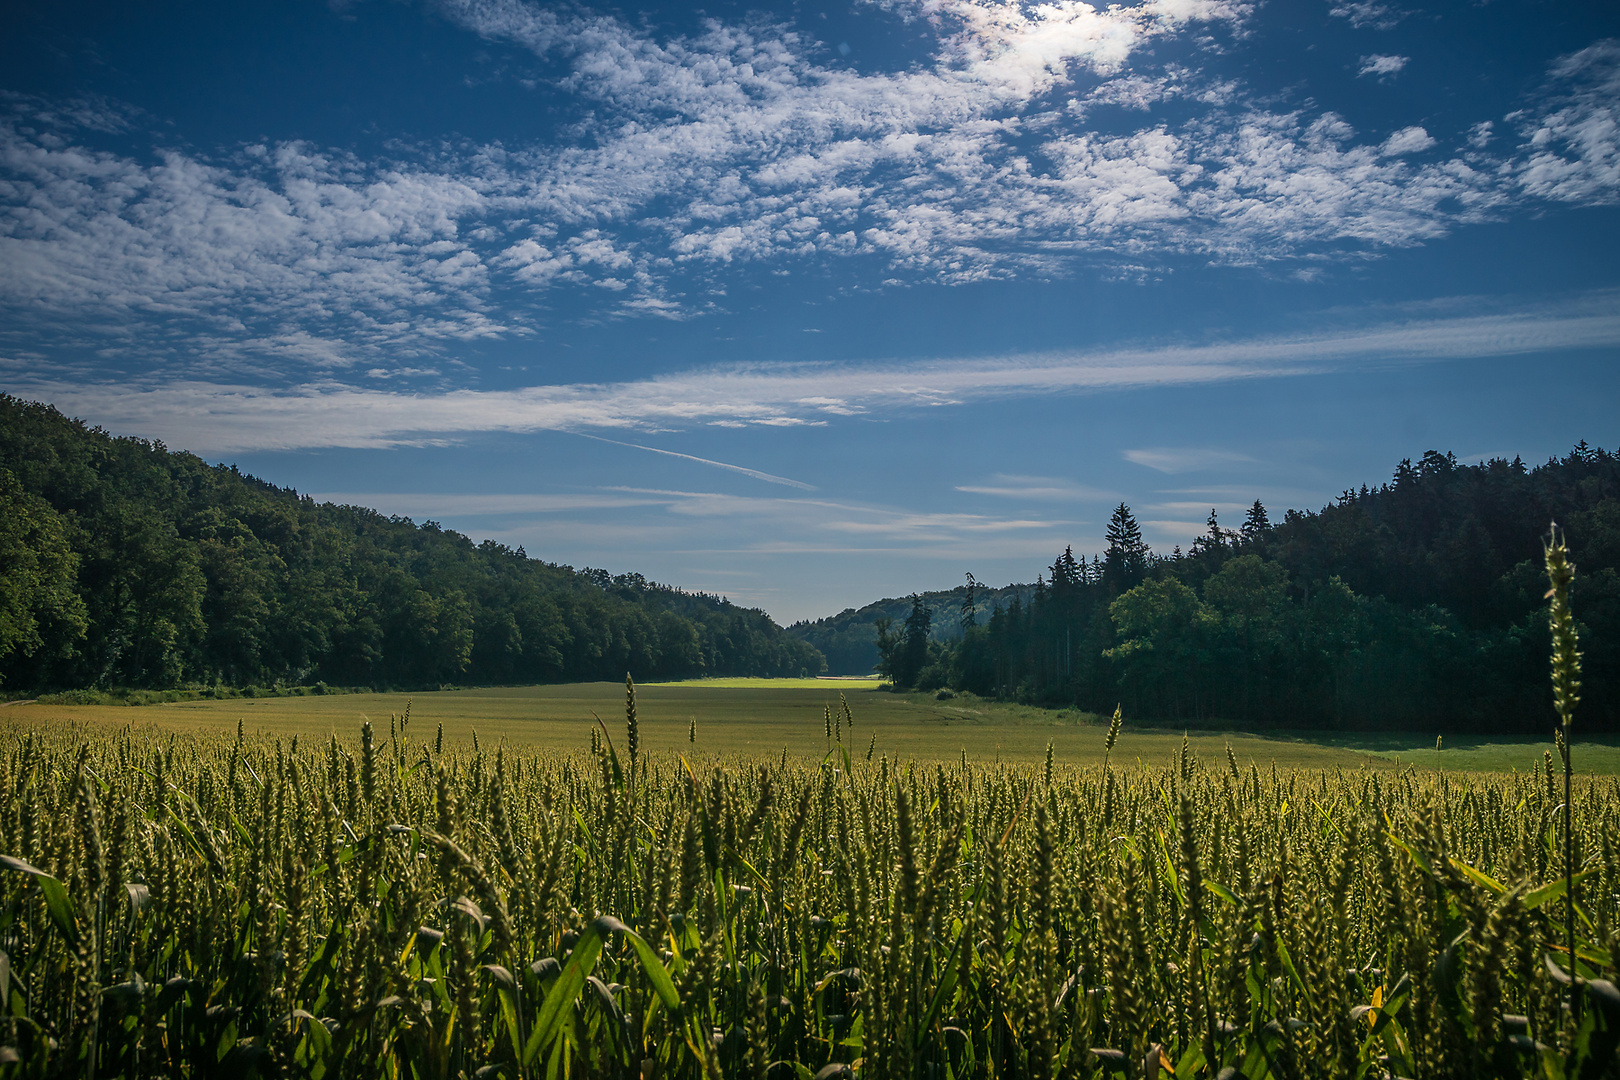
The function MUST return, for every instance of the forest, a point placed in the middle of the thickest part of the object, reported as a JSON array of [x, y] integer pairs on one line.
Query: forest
[[131, 565], [1419, 603]]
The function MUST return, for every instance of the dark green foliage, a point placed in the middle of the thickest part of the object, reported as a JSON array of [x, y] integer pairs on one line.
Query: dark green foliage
[[1127, 557], [1256, 525], [914, 643], [968, 609], [1418, 604], [908, 655], [154, 569], [41, 614]]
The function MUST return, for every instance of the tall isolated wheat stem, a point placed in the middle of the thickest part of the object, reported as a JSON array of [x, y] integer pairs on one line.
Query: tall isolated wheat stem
[[631, 722], [1566, 680], [1113, 732]]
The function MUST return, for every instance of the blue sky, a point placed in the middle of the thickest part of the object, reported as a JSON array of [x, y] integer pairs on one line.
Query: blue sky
[[812, 304]]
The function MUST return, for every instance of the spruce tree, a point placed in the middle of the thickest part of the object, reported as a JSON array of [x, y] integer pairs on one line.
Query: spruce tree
[[1125, 562], [1066, 574], [1213, 540], [914, 646], [1256, 525], [970, 603]]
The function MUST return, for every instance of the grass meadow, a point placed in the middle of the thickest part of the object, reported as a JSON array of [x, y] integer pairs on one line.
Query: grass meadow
[[766, 716]]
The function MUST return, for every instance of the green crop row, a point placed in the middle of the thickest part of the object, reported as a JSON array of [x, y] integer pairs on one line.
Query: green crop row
[[199, 907]]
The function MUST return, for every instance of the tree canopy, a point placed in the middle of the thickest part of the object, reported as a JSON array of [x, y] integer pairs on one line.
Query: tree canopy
[[1416, 603], [127, 564]]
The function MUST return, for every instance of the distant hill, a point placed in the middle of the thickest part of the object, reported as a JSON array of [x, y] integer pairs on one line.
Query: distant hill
[[849, 639], [128, 564]]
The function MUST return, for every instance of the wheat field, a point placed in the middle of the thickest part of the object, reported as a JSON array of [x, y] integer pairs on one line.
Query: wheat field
[[197, 905]]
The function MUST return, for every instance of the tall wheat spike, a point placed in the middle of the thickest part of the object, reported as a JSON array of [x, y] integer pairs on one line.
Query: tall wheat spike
[[1566, 684]]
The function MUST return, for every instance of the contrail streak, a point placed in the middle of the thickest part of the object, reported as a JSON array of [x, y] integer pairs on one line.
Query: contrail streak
[[755, 473]]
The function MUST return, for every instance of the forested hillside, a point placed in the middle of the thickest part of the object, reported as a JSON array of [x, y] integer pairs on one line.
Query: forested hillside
[[127, 564], [1418, 603], [849, 640]]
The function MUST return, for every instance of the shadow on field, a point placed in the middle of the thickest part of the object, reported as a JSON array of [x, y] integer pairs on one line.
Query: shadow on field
[[1393, 742]]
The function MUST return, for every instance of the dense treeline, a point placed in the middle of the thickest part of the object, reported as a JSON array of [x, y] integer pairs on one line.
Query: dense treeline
[[127, 564], [1419, 603]]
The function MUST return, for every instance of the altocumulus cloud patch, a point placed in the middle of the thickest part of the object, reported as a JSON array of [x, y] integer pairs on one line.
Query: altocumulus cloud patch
[[1027, 141]]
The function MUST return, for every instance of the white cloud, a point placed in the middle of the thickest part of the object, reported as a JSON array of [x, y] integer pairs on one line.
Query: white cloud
[[1168, 459], [244, 247], [1573, 146], [704, 154], [1021, 51], [1365, 13], [1409, 140], [210, 418], [1381, 66], [1037, 488]]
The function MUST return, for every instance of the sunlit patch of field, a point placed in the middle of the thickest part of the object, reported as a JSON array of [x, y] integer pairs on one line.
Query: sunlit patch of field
[[832, 684], [767, 716]]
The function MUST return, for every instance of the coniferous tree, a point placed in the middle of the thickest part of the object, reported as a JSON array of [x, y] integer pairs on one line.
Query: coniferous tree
[[1256, 525], [914, 643], [1126, 559], [970, 604], [1065, 573], [1213, 542]]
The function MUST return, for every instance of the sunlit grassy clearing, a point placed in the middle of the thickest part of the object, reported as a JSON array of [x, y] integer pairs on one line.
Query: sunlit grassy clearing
[[846, 685], [768, 716]]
